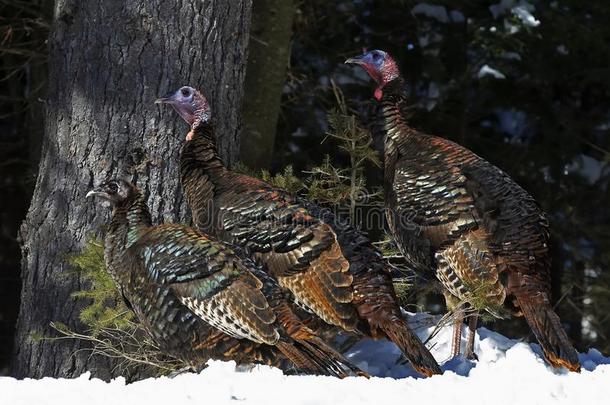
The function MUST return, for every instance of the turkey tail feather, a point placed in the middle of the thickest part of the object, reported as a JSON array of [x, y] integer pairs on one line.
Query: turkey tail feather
[[315, 357], [398, 331], [332, 357], [308, 352], [545, 324]]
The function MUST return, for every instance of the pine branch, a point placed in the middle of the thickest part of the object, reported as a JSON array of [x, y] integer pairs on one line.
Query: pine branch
[[111, 329]]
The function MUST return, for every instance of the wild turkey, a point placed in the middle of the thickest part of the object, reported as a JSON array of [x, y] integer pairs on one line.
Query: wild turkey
[[198, 299], [339, 277], [456, 214]]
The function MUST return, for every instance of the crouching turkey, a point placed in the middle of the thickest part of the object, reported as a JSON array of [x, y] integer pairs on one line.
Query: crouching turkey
[[332, 272], [459, 216], [200, 300]]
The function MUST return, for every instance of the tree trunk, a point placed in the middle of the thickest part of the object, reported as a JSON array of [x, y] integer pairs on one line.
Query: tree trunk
[[269, 51], [108, 62]]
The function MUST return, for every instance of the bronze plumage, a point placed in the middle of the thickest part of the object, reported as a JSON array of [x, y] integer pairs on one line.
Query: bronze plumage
[[199, 299], [304, 253], [455, 214]]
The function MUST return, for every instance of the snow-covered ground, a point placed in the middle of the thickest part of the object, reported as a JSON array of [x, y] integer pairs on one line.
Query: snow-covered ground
[[508, 372]]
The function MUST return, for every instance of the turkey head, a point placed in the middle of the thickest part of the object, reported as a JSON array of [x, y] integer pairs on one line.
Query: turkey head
[[114, 191], [380, 66], [190, 104]]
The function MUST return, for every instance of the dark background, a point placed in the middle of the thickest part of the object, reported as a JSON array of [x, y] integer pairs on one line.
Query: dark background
[[546, 122]]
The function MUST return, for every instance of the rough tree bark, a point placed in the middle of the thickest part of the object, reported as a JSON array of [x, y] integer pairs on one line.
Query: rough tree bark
[[108, 62], [269, 51]]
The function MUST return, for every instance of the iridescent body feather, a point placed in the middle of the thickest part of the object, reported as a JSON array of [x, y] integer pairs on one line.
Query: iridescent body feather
[[332, 271], [456, 215], [199, 299]]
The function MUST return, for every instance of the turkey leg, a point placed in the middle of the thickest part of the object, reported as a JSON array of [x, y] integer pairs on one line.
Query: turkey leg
[[472, 329], [457, 333]]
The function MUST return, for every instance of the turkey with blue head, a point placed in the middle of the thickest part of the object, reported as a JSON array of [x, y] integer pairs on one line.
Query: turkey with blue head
[[454, 214], [332, 271], [199, 299]]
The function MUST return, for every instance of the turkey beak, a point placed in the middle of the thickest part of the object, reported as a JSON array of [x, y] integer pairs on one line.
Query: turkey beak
[[95, 192], [166, 99], [355, 61]]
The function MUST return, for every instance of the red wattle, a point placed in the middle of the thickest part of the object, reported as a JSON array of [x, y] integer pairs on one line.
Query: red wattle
[[378, 93]]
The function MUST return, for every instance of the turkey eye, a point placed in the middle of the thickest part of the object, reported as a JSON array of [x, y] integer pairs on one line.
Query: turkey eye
[[113, 187], [376, 57], [186, 92]]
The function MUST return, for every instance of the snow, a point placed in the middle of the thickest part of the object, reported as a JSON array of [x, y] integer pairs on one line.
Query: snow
[[510, 56], [523, 10], [457, 17], [562, 49], [429, 38], [438, 13], [486, 70], [587, 167], [500, 9], [525, 16], [432, 97], [508, 372], [511, 121]]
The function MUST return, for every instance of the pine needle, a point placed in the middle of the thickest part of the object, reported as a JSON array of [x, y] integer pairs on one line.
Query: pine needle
[[111, 328]]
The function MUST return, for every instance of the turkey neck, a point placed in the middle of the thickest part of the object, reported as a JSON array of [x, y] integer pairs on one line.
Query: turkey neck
[[200, 153], [399, 137], [202, 174], [129, 219]]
